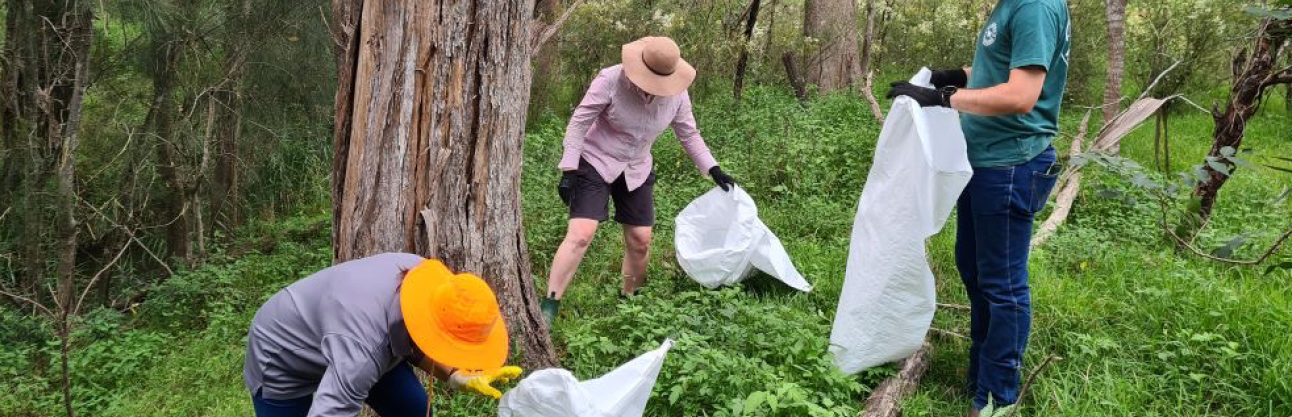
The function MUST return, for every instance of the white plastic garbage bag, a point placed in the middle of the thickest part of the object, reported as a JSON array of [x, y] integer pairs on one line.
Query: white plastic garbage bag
[[888, 296], [623, 392], [720, 241]]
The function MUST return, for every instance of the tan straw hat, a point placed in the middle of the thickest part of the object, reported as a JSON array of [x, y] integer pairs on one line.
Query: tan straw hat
[[655, 65]]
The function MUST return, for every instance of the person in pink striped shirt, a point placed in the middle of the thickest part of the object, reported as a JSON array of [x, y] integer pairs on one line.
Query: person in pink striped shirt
[[608, 157]]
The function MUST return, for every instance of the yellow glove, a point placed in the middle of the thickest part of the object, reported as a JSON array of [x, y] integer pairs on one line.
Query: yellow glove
[[483, 383]]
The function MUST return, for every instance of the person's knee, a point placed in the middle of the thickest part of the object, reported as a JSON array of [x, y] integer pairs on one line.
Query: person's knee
[[579, 238], [639, 242]]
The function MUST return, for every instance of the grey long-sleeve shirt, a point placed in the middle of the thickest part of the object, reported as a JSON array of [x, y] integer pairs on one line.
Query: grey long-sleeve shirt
[[332, 334]]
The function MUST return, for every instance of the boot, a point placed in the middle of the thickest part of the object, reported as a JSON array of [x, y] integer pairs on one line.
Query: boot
[[550, 306]]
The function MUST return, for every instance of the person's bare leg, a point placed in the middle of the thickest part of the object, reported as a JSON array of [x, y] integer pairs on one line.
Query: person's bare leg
[[568, 256], [636, 256]]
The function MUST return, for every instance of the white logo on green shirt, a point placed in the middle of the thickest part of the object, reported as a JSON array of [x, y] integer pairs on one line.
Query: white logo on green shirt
[[989, 36]]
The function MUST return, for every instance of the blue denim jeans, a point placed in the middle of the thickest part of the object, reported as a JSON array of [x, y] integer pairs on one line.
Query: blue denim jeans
[[397, 394], [993, 233]]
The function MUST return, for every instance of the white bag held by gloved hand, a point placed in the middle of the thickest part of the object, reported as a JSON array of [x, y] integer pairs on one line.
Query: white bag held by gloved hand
[[622, 392], [888, 297], [720, 241]]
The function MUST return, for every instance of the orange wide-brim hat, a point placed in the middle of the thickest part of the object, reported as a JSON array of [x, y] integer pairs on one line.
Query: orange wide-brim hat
[[453, 318]]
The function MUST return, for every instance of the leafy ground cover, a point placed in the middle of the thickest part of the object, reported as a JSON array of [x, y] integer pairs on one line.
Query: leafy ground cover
[[1141, 329]]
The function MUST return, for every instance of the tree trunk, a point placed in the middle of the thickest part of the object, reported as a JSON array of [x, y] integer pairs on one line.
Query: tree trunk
[[744, 48], [42, 80], [1115, 11], [224, 183], [868, 41], [431, 108], [832, 25], [546, 11], [795, 79], [159, 124], [1258, 73]]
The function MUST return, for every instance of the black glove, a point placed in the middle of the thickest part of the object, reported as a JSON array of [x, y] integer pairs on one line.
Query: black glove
[[943, 78], [927, 97], [565, 188], [721, 178]]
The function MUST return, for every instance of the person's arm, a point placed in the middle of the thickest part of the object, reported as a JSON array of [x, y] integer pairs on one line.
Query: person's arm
[[435, 369], [1016, 96], [351, 373], [594, 102], [684, 127]]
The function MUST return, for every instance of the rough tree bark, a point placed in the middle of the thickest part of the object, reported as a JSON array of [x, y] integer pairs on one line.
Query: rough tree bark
[[1258, 74], [431, 107], [1115, 12], [832, 23], [795, 79], [744, 48], [159, 124]]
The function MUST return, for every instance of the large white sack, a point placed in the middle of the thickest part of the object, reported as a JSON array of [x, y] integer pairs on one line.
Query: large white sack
[[721, 241], [888, 295], [623, 392]]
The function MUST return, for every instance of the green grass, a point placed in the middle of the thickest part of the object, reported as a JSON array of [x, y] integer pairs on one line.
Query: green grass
[[1142, 330]]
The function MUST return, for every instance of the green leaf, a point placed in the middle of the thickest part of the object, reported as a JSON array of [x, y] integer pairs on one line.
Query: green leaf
[[1282, 265], [1227, 151], [1227, 251], [1219, 167], [754, 401], [1278, 14]]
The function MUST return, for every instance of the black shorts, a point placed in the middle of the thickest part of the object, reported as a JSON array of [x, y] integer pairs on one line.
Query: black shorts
[[591, 198]]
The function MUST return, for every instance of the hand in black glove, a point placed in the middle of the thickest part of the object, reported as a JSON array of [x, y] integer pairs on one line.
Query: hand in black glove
[[565, 188], [927, 97], [721, 178], [943, 78]]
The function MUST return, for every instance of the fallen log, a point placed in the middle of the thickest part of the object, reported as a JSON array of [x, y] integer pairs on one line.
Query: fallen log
[[886, 399]]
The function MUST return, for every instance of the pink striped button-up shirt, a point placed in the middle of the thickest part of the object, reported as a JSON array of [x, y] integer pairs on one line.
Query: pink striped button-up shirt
[[616, 123]]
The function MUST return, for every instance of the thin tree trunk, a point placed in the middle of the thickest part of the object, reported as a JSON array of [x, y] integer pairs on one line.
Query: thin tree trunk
[[224, 181], [545, 11], [744, 48], [1115, 11], [1244, 101], [869, 40], [795, 79], [63, 335], [832, 25], [159, 124], [431, 109]]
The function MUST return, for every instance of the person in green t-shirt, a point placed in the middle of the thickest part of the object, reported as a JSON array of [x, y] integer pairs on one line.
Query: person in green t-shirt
[[1010, 100]]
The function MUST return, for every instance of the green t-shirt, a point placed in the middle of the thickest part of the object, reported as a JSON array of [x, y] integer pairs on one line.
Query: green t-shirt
[[1020, 33]]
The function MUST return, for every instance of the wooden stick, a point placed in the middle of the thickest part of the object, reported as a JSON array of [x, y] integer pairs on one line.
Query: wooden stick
[[1071, 186], [1022, 392], [868, 92], [957, 307], [886, 399]]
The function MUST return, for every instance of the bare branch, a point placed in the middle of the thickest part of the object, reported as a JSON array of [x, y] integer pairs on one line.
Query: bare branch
[[957, 307], [1158, 79], [537, 45], [76, 308], [28, 300], [868, 92], [131, 234], [1031, 377]]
